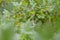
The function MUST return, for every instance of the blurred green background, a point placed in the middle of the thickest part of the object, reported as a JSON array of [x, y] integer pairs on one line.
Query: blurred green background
[[29, 19]]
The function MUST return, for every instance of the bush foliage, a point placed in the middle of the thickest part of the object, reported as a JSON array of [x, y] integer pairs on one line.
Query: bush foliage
[[29, 19]]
